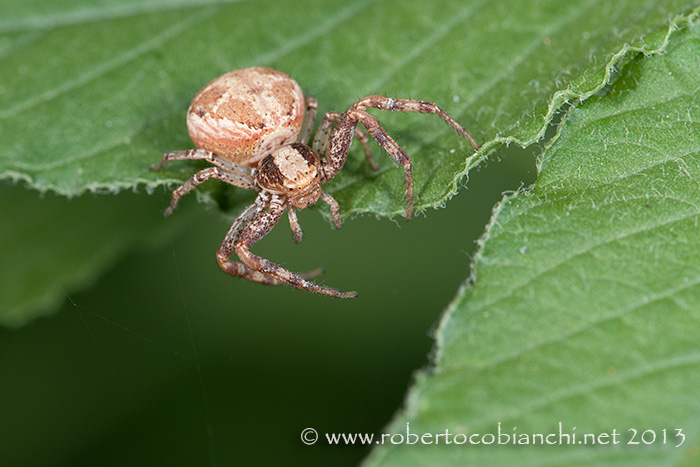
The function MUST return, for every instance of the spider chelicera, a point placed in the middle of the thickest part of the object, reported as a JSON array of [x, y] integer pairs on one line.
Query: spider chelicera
[[254, 125]]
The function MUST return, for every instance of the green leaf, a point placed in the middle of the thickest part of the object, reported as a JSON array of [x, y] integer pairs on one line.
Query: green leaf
[[91, 96], [582, 308]]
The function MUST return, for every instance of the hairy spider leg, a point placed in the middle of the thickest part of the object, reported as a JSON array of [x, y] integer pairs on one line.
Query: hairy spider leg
[[309, 119], [203, 154], [412, 105], [341, 137], [335, 209], [322, 138], [225, 171], [199, 178], [342, 134], [255, 223], [294, 224], [226, 248]]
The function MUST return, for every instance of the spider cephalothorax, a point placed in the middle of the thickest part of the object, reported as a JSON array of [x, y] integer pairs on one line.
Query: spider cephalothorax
[[254, 126], [292, 171]]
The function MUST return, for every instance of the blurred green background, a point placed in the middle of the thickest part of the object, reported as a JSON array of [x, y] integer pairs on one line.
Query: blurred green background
[[166, 360]]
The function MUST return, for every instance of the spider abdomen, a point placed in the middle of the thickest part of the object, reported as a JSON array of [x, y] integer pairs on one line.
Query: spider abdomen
[[245, 114]]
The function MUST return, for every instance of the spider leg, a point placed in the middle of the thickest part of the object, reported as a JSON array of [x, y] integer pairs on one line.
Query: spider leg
[[226, 248], [309, 119], [254, 225], [201, 154], [412, 105], [339, 146], [335, 208], [294, 224], [341, 137], [234, 178], [322, 138]]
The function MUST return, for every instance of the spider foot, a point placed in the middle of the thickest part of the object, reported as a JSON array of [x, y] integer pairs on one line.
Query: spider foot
[[313, 287], [320, 289], [161, 164], [173, 205], [347, 295], [267, 272], [409, 209]]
